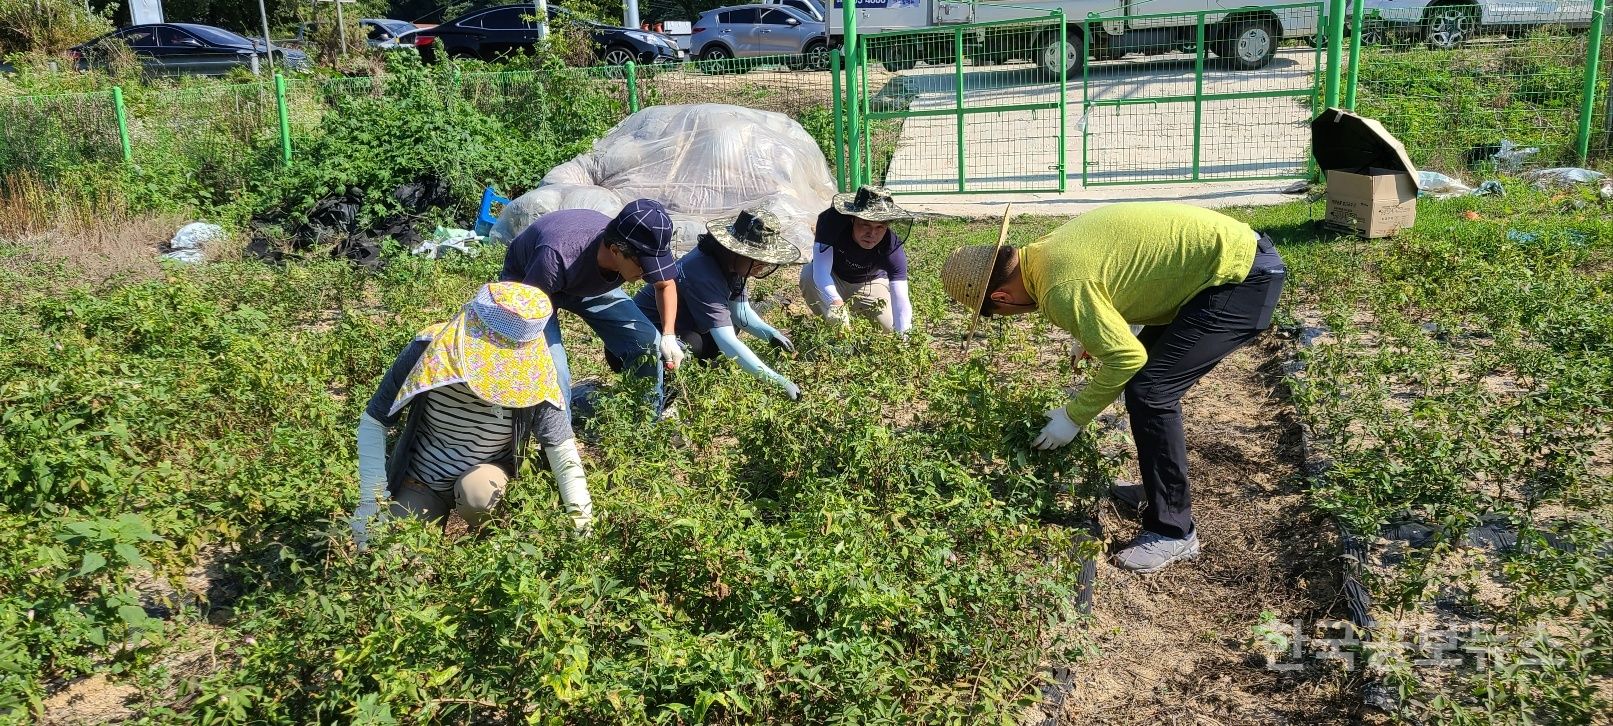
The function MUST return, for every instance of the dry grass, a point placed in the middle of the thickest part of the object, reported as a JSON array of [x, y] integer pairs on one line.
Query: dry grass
[[98, 237]]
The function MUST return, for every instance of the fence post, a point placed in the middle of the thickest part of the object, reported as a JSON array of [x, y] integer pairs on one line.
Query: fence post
[[285, 118], [1064, 107], [1593, 61], [121, 112], [1357, 17], [957, 94], [837, 108], [632, 86], [867, 140], [1198, 92], [1335, 43]]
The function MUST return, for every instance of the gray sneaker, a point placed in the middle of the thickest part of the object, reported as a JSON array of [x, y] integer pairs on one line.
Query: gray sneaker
[[1127, 497], [1152, 552]]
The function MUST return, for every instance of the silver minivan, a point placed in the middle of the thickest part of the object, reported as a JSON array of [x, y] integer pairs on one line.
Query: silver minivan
[[748, 31]]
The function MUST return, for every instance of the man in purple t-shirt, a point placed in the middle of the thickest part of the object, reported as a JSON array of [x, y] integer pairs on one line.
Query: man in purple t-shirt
[[581, 258]]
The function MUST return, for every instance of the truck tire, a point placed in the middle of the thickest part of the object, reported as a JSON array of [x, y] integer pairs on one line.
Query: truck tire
[[1249, 45], [1050, 54]]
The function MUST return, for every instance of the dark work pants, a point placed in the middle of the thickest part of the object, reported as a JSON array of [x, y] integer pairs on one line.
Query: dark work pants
[[1206, 330]]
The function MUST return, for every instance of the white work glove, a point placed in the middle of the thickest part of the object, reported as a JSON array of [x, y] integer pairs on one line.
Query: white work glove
[[566, 465], [671, 351], [360, 521], [839, 314], [792, 390], [1059, 431]]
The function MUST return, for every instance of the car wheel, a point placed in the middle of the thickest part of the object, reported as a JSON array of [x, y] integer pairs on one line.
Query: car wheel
[[1250, 46], [617, 55], [1446, 27], [1054, 55], [716, 59], [816, 56], [462, 53]]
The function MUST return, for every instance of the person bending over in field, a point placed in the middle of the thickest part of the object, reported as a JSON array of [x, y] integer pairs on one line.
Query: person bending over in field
[[475, 389], [712, 299], [1201, 283], [580, 259], [859, 264]]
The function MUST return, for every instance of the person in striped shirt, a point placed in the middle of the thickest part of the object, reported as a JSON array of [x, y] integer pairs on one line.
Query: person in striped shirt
[[471, 393]]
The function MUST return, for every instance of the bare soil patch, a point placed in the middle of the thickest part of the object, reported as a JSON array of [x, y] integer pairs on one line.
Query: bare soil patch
[[1172, 648]]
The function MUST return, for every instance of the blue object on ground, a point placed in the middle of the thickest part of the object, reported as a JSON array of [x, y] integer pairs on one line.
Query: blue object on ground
[[485, 217]]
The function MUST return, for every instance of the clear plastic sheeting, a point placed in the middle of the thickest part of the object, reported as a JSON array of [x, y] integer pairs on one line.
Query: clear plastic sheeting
[[702, 161]]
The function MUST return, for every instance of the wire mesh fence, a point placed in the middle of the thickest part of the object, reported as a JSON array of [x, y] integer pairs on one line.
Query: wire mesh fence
[[46, 135], [1456, 82], [964, 109], [794, 85], [1202, 96], [220, 135]]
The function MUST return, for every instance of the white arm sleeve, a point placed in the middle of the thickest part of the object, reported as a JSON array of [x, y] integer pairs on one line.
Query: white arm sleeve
[[901, 306], [372, 479], [823, 259], [371, 458]]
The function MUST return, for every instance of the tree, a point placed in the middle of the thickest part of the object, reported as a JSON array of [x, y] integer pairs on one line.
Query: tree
[[47, 26]]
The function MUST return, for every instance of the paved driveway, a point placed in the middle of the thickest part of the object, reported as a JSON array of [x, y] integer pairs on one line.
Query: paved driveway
[[1152, 142]]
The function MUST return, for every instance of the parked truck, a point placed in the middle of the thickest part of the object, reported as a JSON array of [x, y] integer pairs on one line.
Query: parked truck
[[1246, 35]]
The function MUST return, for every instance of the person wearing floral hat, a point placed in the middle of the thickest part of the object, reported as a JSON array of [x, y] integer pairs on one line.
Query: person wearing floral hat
[[473, 390], [1201, 284], [859, 264], [712, 296], [581, 258]]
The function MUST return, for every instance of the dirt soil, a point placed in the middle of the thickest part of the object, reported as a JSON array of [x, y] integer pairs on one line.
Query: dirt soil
[[92, 700], [1173, 647]]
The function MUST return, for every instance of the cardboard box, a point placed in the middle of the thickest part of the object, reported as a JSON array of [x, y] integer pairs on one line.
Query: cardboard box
[[1374, 202], [1371, 182]]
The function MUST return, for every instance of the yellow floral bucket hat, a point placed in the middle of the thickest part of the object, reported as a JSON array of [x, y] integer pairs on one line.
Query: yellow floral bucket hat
[[496, 346]]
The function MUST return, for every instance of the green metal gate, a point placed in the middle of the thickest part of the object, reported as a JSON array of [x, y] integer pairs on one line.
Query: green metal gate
[[1181, 110], [959, 109]]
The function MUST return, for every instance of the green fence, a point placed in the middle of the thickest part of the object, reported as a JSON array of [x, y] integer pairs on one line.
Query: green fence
[[962, 109], [972, 108], [1224, 100], [224, 134], [1455, 82], [46, 134]]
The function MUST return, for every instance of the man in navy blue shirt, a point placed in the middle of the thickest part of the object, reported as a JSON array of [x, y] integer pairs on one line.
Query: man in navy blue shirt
[[581, 259]]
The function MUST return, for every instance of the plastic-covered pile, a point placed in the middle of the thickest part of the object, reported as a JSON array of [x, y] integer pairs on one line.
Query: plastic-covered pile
[[702, 161]]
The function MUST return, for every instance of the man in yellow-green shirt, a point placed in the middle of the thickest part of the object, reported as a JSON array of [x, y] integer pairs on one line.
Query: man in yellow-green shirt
[[1201, 284]]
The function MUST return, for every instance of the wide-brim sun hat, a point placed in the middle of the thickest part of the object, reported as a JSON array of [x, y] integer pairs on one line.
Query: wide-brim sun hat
[[496, 346], [871, 204], [757, 235], [966, 275]]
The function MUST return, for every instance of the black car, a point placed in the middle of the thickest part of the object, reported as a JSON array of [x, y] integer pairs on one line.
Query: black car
[[188, 48], [505, 29]]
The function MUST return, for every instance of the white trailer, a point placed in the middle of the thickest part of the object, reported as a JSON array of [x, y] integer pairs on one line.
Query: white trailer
[[1246, 35]]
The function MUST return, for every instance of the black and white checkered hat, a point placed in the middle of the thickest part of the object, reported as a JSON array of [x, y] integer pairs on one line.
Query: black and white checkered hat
[[647, 228]]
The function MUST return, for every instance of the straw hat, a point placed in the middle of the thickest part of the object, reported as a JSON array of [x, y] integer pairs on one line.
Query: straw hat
[[496, 346], [872, 204], [756, 235], [966, 274]]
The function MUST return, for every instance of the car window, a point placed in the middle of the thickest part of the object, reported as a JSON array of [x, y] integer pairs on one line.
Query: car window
[[774, 16], [801, 6], [139, 37], [175, 38], [508, 19], [396, 27], [217, 36], [376, 32], [742, 16]]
